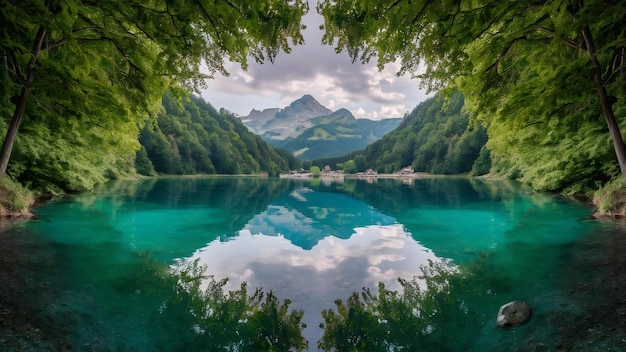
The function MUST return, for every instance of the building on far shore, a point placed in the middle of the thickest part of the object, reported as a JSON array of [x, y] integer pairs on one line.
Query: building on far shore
[[407, 170], [368, 173], [332, 173]]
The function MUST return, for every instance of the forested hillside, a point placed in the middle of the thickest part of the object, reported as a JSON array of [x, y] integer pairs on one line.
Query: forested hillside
[[435, 137], [192, 137]]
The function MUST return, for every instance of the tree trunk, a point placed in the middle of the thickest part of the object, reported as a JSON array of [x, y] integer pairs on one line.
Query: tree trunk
[[9, 140], [20, 106], [616, 135], [607, 108]]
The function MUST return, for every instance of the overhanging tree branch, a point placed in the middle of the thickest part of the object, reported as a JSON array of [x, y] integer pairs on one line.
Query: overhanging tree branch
[[504, 52]]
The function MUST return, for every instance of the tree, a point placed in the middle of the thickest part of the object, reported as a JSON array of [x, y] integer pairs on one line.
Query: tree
[[360, 162], [349, 167], [518, 63], [315, 170], [113, 59], [143, 164]]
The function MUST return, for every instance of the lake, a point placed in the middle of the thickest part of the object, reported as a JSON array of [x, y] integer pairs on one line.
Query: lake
[[116, 269]]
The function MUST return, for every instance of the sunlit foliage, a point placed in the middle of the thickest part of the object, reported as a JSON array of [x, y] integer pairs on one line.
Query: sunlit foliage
[[546, 77], [82, 76], [193, 311]]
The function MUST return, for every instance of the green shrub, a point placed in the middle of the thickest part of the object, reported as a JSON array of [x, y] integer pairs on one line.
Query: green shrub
[[14, 198], [611, 198]]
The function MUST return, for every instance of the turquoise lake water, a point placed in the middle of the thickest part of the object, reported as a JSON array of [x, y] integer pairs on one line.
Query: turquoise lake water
[[314, 242]]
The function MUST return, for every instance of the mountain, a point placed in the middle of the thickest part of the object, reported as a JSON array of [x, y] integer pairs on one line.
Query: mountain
[[256, 119], [276, 125], [193, 137], [309, 130], [338, 134], [379, 128]]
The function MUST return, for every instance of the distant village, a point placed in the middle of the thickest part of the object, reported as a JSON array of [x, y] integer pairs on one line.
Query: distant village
[[327, 172]]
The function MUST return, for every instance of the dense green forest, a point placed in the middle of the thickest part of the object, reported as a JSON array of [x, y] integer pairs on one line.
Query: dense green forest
[[78, 79], [436, 137], [192, 137]]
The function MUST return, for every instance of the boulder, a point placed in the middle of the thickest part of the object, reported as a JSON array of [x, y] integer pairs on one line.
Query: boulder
[[513, 314]]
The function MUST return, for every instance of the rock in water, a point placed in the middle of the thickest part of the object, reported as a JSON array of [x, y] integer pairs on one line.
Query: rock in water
[[513, 314]]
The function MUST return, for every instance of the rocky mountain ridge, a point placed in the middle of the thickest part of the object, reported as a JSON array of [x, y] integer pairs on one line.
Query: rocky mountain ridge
[[280, 124], [309, 130]]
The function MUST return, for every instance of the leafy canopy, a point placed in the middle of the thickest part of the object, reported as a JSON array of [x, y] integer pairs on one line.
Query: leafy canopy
[[558, 66], [90, 72]]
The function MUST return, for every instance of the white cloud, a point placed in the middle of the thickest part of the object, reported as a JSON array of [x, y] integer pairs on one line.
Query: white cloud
[[317, 70], [360, 112], [393, 110]]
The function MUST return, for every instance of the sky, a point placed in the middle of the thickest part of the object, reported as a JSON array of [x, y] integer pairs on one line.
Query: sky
[[315, 69]]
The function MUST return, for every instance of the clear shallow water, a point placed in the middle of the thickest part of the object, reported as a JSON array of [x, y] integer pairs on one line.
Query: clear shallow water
[[312, 243]]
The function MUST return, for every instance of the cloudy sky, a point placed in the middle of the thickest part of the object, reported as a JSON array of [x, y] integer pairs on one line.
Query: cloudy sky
[[317, 70]]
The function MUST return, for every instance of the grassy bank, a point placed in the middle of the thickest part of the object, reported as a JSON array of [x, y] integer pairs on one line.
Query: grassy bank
[[15, 199], [610, 200]]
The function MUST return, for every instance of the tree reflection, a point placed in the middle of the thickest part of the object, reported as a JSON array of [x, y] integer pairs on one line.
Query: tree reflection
[[210, 319], [388, 320], [257, 322], [433, 311]]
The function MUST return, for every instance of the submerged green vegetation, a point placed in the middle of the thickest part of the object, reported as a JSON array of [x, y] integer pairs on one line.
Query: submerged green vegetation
[[221, 320], [374, 320]]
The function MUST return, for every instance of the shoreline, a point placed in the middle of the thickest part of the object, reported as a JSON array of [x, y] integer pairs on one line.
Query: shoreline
[[8, 217], [339, 175]]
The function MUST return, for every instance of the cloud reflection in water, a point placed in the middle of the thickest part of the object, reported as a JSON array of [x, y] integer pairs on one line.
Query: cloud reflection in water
[[313, 279], [316, 247]]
